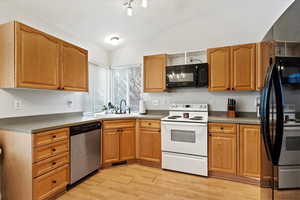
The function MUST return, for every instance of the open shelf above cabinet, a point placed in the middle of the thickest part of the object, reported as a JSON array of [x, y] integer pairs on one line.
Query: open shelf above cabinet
[[188, 57]]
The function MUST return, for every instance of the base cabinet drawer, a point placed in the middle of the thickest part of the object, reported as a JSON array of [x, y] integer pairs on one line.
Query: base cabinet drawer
[[44, 152], [50, 137], [45, 166], [51, 183]]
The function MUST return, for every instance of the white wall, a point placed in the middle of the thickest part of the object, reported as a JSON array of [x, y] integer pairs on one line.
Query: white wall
[[198, 34], [217, 100], [35, 102]]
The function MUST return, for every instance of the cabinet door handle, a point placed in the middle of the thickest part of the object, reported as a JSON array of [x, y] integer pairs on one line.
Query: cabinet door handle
[[54, 181], [149, 124], [222, 128], [54, 163], [54, 136], [53, 149]]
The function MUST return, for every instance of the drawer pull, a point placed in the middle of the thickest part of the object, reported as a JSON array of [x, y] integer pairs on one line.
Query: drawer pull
[[53, 149], [54, 181], [54, 136], [222, 128], [54, 163], [149, 124]]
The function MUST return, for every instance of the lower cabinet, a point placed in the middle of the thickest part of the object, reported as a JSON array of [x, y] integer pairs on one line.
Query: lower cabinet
[[149, 140], [222, 153], [118, 141], [236, 153], [250, 151]]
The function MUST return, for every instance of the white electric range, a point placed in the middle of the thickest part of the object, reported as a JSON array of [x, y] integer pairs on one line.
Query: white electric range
[[184, 139]]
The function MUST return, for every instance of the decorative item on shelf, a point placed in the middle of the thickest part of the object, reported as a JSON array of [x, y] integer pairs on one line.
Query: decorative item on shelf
[[231, 108]]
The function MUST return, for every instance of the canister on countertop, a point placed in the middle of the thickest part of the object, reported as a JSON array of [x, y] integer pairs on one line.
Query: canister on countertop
[[231, 108]]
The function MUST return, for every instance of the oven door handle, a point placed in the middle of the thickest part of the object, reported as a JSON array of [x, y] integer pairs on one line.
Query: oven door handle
[[184, 123]]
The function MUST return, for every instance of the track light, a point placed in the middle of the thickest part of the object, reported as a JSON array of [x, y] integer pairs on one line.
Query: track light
[[145, 3]]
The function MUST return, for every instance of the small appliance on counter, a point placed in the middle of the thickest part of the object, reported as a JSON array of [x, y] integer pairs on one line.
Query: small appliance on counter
[[231, 108], [142, 108]]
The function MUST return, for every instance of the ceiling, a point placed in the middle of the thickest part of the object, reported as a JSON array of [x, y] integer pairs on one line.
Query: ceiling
[[94, 20]]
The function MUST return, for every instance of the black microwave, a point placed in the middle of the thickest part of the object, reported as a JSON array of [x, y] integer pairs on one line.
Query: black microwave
[[191, 75]]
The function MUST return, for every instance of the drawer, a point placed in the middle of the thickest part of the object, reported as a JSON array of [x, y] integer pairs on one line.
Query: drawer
[[150, 124], [50, 137], [222, 128], [51, 183], [44, 152], [116, 124], [47, 165]]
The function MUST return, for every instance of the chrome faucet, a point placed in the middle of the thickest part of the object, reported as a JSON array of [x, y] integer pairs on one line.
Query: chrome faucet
[[123, 101]]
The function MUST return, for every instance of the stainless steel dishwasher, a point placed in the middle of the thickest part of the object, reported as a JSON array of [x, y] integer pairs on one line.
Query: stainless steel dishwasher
[[85, 150]]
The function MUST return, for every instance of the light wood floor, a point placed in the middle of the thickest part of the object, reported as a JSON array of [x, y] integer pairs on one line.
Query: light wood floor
[[136, 182]]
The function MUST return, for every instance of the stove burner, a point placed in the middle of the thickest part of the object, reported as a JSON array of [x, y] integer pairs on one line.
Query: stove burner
[[197, 118], [174, 117]]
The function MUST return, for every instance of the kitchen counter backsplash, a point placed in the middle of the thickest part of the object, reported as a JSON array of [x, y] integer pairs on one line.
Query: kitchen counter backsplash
[[35, 124]]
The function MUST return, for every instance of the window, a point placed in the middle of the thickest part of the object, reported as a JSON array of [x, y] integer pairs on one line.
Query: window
[[126, 84], [98, 89], [113, 85]]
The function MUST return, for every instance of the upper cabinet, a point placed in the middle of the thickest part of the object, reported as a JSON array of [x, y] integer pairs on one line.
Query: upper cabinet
[[232, 68], [74, 68], [155, 73], [32, 59], [219, 68], [243, 63], [265, 51]]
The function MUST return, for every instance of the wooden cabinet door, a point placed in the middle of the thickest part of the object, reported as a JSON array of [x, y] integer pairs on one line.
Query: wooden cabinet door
[[111, 146], [219, 68], [38, 59], [150, 145], [74, 68], [249, 151], [155, 73], [222, 153], [127, 144], [265, 51], [243, 64]]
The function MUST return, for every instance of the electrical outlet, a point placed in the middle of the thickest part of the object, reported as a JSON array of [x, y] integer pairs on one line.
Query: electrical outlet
[[155, 102], [18, 104], [70, 103]]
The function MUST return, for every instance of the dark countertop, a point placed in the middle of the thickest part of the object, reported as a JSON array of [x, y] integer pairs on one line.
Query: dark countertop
[[35, 124]]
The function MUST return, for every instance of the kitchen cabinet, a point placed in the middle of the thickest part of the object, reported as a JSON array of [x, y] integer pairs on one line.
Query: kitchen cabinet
[[34, 59], [250, 151], [74, 68], [219, 68], [40, 164], [265, 53], [155, 73], [149, 145], [222, 148], [243, 64], [232, 68], [118, 141], [236, 153]]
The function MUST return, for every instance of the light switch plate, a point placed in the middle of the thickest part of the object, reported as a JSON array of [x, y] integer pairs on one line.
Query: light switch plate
[[18, 104]]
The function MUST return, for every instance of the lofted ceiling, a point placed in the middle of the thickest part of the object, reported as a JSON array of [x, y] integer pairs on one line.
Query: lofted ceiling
[[94, 20]]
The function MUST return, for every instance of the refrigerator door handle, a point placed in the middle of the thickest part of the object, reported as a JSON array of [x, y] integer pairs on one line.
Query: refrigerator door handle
[[265, 113]]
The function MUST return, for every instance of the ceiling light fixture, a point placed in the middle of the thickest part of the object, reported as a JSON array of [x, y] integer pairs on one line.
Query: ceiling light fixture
[[114, 40], [145, 3], [129, 7]]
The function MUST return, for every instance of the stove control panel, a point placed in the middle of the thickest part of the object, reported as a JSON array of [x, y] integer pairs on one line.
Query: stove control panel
[[189, 107]]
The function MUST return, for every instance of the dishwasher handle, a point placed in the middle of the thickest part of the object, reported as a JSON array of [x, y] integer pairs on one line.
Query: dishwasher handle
[[83, 128]]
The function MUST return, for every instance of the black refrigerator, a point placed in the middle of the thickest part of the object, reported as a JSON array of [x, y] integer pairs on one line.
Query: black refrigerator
[[280, 135]]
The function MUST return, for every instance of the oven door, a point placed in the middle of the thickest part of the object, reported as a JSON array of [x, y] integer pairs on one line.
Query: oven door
[[186, 138], [290, 151]]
